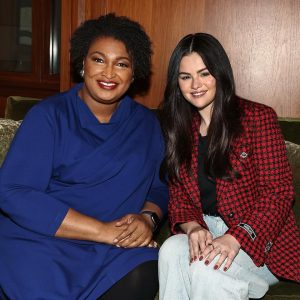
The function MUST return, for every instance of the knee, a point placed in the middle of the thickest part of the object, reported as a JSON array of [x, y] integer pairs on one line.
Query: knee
[[173, 248]]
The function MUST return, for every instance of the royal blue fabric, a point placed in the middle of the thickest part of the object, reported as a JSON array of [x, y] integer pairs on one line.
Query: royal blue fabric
[[62, 157]]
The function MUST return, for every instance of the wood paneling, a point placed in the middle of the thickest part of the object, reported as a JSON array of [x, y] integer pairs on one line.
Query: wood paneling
[[169, 24], [263, 41], [261, 38]]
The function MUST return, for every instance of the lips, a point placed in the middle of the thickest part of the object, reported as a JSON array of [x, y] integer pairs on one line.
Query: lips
[[107, 85], [198, 94]]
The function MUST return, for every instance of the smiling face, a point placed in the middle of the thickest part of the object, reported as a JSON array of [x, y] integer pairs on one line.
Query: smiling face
[[108, 72], [197, 85]]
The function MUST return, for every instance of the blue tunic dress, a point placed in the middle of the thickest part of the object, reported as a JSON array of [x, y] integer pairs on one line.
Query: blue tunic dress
[[61, 158]]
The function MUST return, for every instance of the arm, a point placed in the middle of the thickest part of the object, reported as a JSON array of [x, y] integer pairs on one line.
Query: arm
[[81, 227], [140, 229], [182, 209], [25, 177], [260, 226]]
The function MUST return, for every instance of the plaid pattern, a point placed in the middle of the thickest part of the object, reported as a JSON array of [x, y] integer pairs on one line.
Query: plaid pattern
[[257, 206]]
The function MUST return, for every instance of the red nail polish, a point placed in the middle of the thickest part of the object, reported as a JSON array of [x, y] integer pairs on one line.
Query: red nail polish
[[195, 258], [216, 267], [225, 269], [201, 257], [206, 262]]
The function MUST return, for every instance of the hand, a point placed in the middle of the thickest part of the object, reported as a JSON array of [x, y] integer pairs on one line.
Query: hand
[[199, 238], [228, 248], [109, 231], [138, 232]]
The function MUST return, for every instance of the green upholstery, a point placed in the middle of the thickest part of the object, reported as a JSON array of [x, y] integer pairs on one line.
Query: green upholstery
[[18, 106], [290, 128]]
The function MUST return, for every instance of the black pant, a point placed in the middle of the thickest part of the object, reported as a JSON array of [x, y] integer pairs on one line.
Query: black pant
[[139, 284]]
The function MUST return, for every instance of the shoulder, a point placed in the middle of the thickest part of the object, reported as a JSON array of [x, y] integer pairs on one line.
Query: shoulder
[[256, 111], [54, 105], [149, 115]]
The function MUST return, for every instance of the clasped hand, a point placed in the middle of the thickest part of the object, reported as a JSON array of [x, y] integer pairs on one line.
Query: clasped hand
[[203, 247], [133, 231]]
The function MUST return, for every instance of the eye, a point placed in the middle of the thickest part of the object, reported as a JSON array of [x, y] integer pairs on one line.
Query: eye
[[98, 60], [184, 77], [204, 74], [122, 65]]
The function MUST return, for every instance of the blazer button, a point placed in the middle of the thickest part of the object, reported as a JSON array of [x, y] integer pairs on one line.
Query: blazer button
[[230, 215]]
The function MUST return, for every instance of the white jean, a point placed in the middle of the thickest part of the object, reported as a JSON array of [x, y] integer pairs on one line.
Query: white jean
[[180, 280]]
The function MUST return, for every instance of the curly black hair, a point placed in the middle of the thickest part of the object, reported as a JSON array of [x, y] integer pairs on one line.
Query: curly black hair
[[121, 28]]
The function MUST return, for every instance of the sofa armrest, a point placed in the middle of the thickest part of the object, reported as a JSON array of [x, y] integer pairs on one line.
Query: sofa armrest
[[17, 107]]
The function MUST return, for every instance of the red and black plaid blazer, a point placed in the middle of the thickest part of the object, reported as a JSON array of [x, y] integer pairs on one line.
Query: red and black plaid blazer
[[257, 207]]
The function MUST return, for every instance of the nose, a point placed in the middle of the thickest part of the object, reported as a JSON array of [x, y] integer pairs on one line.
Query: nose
[[196, 83], [108, 71]]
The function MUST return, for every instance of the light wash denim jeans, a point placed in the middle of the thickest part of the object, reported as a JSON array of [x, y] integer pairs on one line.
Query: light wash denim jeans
[[180, 280]]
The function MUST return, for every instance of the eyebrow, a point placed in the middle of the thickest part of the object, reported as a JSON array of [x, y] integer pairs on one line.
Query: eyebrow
[[117, 58], [186, 73]]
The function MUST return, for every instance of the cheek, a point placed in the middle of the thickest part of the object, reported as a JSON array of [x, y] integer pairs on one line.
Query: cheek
[[90, 70], [211, 83], [182, 86]]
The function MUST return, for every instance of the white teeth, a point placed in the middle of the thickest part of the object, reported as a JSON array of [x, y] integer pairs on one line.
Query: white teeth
[[108, 83], [198, 94]]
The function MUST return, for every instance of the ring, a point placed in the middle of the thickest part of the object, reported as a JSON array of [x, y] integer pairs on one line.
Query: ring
[[210, 244]]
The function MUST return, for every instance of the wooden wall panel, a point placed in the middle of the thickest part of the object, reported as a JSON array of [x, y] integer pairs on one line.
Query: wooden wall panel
[[263, 42], [260, 36], [171, 20]]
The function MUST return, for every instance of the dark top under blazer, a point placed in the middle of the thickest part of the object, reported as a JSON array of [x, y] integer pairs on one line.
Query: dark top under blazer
[[257, 207]]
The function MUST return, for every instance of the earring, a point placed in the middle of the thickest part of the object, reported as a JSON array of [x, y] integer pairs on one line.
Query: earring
[[132, 79], [81, 73]]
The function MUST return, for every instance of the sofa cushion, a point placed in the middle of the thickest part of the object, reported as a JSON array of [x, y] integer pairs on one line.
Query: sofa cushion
[[7, 132], [290, 128]]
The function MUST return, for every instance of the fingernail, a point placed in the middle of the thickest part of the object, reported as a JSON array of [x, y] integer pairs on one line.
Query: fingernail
[[201, 257], [206, 262], [115, 240], [195, 258], [216, 267], [191, 260], [225, 269]]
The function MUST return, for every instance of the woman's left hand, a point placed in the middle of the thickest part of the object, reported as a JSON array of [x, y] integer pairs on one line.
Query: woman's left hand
[[226, 246], [137, 234]]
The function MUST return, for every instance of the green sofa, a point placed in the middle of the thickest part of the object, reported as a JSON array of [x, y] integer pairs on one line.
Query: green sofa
[[17, 107]]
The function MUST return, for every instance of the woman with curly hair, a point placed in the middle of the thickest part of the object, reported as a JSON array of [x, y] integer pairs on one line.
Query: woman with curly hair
[[80, 191], [231, 189]]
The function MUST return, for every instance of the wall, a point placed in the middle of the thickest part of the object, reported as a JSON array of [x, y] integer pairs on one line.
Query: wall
[[260, 37]]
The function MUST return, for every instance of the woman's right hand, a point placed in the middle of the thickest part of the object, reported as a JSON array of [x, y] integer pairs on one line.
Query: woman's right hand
[[199, 238]]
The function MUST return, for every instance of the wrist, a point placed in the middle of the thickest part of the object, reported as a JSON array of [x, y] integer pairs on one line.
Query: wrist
[[188, 227], [151, 218], [101, 233]]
